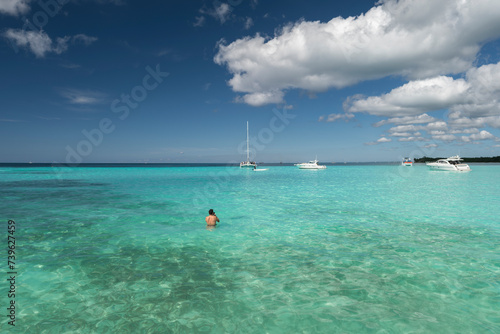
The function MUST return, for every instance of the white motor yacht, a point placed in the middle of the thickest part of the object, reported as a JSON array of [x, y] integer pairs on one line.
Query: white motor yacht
[[450, 164], [310, 165]]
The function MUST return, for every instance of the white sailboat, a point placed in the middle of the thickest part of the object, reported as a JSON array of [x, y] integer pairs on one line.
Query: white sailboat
[[248, 163]]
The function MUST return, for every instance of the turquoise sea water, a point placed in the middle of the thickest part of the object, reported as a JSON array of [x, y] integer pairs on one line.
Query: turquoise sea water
[[349, 249]]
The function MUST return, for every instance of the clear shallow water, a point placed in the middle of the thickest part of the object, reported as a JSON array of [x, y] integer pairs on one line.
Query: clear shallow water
[[350, 249]]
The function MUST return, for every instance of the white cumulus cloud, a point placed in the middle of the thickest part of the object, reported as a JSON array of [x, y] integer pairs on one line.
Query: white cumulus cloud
[[424, 118], [14, 7], [380, 141], [82, 38], [483, 135], [413, 98], [475, 96], [82, 97], [415, 39], [248, 23], [473, 102], [41, 44], [335, 117], [404, 128], [262, 98], [37, 42], [412, 139], [401, 134], [221, 12], [444, 137]]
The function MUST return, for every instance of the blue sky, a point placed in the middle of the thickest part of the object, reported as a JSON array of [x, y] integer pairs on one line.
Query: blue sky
[[176, 81]]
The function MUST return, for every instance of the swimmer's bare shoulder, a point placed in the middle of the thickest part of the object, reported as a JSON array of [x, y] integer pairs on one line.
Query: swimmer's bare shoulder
[[212, 218]]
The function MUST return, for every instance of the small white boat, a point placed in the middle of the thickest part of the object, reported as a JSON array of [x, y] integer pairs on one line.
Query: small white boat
[[248, 163], [451, 164], [313, 164], [407, 162]]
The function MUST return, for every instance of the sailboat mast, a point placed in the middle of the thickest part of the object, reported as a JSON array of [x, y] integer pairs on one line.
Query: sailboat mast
[[248, 150]]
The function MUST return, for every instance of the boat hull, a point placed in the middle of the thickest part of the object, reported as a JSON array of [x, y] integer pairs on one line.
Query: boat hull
[[312, 167], [449, 168], [248, 165]]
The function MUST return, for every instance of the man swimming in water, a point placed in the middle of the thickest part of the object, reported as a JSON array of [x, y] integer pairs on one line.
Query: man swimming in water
[[211, 219]]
